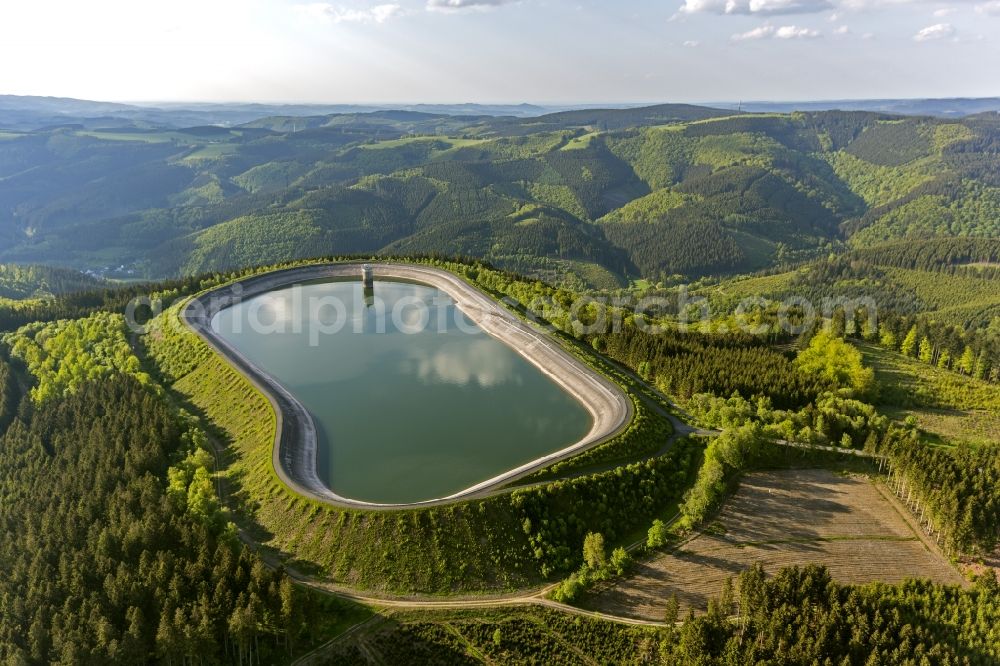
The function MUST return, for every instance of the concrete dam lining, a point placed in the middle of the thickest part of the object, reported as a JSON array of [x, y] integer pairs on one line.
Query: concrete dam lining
[[294, 451]]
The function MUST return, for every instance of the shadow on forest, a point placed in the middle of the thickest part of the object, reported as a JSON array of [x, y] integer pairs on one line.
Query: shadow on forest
[[229, 483]]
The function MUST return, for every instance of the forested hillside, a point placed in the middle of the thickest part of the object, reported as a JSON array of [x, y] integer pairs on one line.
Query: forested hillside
[[116, 513], [103, 564], [121, 548], [601, 195], [117, 548], [937, 300], [21, 282]]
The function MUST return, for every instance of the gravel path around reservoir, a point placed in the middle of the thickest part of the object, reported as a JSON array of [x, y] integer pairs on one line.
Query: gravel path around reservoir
[[294, 451]]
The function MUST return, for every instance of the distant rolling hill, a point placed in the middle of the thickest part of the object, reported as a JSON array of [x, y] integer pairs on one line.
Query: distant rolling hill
[[594, 196], [952, 107], [25, 112]]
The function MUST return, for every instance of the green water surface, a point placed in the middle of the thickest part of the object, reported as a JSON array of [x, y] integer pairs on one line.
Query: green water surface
[[409, 408]]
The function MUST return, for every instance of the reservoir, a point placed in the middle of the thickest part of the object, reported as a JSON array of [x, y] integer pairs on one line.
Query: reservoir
[[411, 400]]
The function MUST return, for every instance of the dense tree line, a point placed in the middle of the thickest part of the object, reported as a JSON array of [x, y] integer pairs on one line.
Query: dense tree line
[[833, 419], [841, 128], [974, 353], [686, 363], [838, 277], [102, 565], [535, 229], [836, 361], [948, 254], [8, 392], [556, 518], [594, 174], [748, 371], [660, 159], [802, 616], [786, 130], [280, 236], [965, 296], [956, 487], [975, 156], [726, 458]]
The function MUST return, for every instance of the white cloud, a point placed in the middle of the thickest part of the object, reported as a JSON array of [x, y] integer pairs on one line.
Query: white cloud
[[762, 32], [755, 7], [460, 5], [772, 32], [934, 32], [989, 8], [793, 32], [692, 43], [327, 12], [836, 7], [841, 30], [867, 5], [788, 6]]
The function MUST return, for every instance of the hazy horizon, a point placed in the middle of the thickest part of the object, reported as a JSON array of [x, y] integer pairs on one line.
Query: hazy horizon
[[499, 51], [571, 103]]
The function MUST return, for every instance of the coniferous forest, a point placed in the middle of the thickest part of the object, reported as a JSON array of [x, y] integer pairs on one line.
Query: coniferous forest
[[142, 520], [103, 565]]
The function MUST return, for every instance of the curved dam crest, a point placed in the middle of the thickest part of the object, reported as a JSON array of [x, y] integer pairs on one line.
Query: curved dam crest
[[296, 449]]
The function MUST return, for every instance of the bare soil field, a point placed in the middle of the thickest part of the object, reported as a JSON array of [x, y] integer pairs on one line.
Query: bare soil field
[[784, 518]]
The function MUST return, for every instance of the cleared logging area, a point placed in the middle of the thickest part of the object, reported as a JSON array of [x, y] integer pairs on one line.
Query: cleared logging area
[[783, 518]]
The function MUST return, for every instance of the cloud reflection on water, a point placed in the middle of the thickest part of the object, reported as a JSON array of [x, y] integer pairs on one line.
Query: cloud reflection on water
[[462, 364]]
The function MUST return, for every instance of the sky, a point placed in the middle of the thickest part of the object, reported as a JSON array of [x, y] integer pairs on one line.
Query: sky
[[499, 51]]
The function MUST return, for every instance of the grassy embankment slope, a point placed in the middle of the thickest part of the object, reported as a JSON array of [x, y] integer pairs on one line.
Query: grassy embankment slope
[[501, 543], [948, 406]]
